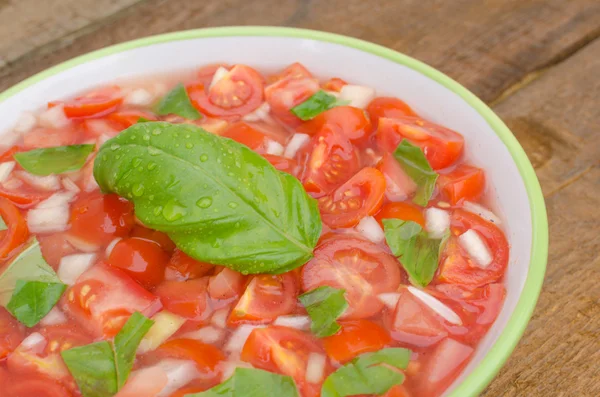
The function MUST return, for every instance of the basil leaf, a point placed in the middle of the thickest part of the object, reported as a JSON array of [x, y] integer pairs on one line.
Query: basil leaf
[[178, 102], [324, 305], [369, 373], [219, 201], [32, 300], [317, 103], [413, 162], [417, 253], [251, 382], [93, 368], [126, 344], [142, 120], [28, 265], [54, 160]]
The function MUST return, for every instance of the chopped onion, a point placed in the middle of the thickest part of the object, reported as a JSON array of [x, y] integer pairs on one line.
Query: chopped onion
[[165, 325], [25, 123], [73, 266], [219, 318], [54, 117], [80, 244], [12, 183], [138, 97], [482, 212], [54, 317], [210, 335], [111, 245], [315, 367], [33, 340], [58, 199], [435, 305], [389, 299], [238, 339], [71, 186], [219, 74], [437, 221], [260, 113], [228, 367], [369, 228], [179, 373], [48, 183], [274, 147], [358, 95], [5, 170], [45, 220], [476, 248], [291, 321], [297, 141]]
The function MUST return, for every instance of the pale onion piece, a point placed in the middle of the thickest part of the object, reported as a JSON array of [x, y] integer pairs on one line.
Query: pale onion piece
[[389, 299], [69, 185], [260, 113], [12, 183], [295, 144], [219, 74], [48, 182], [35, 339], [54, 317], [437, 221], [228, 367], [25, 123], [358, 95], [144, 382], [482, 212], [54, 117], [292, 321], [315, 367], [111, 245], [81, 245], [45, 220], [138, 97], [5, 170], [73, 266], [219, 318], [209, 335], [58, 199], [165, 325], [274, 147], [370, 229], [237, 340], [435, 305], [179, 373], [476, 248]]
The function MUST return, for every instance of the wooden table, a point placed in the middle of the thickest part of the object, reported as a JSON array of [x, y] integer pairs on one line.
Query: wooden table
[[537, 63]]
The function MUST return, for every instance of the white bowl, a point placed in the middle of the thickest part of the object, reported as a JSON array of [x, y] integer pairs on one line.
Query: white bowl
[[489, 143]]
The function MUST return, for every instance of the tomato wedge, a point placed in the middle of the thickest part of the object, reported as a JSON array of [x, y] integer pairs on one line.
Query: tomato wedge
[[184, 267], [255, 135], [404, 211], [16, 233], [127, 118], [283, 163], [334, 84], [143, 260], [465, 182], [388, 107], [295, 71], [347, 120], [356, 337], [206, 357], [361, 196], [95, 104], [226, 283], [185, 298], [289, 91], [359, 266]]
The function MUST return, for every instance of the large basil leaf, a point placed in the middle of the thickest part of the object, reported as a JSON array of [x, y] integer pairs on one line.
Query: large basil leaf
[[219, 201]]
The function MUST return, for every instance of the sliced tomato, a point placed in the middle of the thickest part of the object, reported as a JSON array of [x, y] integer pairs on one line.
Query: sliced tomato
[[103, 299], [29, 385], [295, 70], [226, 283], [285, 351], [442, 146], [94, 104], [206, 73], [347, 120], [160, 238], [356, 265], [455, 264], [64, 336], [389, 107], [361, 196], [206, 357], [465, 182], [49, 137], [398, 185], [283, 163], [287, 93], [238, 93], [356, 337], [127, 118], [330, 160], [185, 298], [266, 297], [98, 218], [16, 233], [334, 84], [11, 333], [184, 267], [143, 260], [404, 211]]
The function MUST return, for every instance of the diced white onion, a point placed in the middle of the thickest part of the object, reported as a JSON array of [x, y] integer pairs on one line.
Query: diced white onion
[[138, 97], [315, 367], [237, 340], [219, 318], [179, 373], [260, 113], [71, 186], [5, 170], [228, 367], [437, 221], [73, 266], [476, 248], [291, 321], [32, 340], [437, 306], [54, 317], [219, 74], [208, 334], [25, 122], [81, 245], [358, 95], [111, 245], [369, 228], [297, 141], [45, 220], [389, 299], [482, 212], [48, 182], [54, 117], [165, 325], [58, 199], [274, 147]]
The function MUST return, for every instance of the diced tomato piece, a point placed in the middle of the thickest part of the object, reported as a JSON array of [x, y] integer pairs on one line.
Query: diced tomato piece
[[64, 336], [288, 92], [48, 137], [295, 71], [185, 267], [185, 298], [34, 385], [404, 211], [16, 233], [283, 163], [226, 284], [388, 107], [398, 185], [95, 104], [334, 84], [11, 333], [54, 247], [143, 260], [206, 357], [465, 182], [160, 238], [127, 118], [356, 337], [347, 120]]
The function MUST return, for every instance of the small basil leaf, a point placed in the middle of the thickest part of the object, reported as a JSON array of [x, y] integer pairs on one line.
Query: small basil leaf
[[32, 300], [247, 382], [413, 162], [324, 305], [178, 102], [126, 344], [54, 160], [93, 368], [417, 253], [369, 373], [28, 265], [314, 105], [218, 201]]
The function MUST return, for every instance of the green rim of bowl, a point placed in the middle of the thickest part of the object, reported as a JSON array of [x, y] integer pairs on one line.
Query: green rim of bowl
[[487, 369]]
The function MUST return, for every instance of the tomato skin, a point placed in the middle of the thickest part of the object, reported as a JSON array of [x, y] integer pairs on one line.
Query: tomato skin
[[295, 71], [465, 182], [287, 93], [185, 298], [17, 231], [127, 118], [388, 107], [334, 84], [283, 164], [346, 120], [206, 357], [94, 104], [11, 333], [143, 260], [401, 210], [34, 385], [246, 134], [356, 337], [159, 238], [185, 267], [360, 196]]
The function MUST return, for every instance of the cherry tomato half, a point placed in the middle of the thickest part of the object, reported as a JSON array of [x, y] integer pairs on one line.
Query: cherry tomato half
[[288, 92], [206, 357], [16, 233], [388, 107], [185, 298], [356, 337], [143, 260], [404, 211], [465, 182], [347, 120], [185, 267], [94, 104]]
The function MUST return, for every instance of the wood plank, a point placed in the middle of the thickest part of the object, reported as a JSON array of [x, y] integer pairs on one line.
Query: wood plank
[[488, 46], [29, 25]]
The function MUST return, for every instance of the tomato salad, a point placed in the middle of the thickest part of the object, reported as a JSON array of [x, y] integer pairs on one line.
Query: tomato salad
[[240, 233]]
